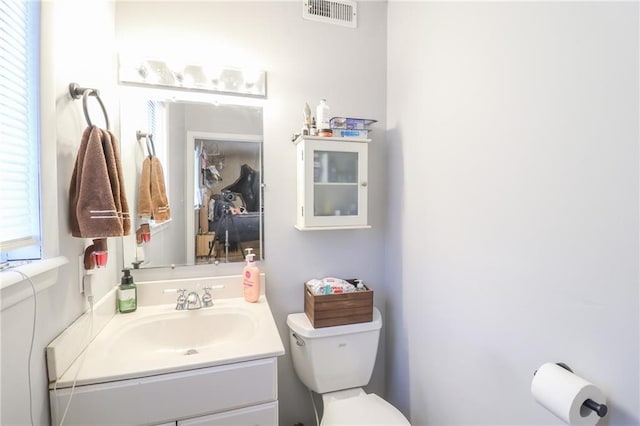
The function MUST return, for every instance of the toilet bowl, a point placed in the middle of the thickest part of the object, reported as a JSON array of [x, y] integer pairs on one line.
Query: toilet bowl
[[336, 362], [356, 407]]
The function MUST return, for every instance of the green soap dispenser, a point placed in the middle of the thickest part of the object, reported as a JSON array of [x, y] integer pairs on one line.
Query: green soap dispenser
[[127, 293]]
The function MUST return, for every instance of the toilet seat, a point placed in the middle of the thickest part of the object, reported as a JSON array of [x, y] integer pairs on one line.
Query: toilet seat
[[356, 407]]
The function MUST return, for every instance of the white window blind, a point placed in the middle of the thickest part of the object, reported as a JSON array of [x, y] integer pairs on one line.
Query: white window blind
[[156, 121], [19, 129]]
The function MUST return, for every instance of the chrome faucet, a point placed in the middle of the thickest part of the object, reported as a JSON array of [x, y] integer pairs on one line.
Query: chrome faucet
[[193, 301]]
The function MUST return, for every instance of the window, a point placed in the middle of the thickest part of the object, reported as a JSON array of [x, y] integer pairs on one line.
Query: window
[[20, 230]]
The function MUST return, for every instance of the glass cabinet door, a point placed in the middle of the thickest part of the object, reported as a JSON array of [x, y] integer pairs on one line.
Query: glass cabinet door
[[335, 179]]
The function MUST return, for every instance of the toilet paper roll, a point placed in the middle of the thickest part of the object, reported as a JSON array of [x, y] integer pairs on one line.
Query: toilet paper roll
[[563, 393]]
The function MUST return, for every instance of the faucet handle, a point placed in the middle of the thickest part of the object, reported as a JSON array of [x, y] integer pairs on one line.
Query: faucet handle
[[181, 302], [207, 299]]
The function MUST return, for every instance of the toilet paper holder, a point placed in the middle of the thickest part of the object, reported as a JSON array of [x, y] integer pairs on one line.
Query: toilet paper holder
[[600, 409]]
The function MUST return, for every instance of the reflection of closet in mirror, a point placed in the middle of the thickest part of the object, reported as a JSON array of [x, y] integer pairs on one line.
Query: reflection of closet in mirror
[[227, 208]]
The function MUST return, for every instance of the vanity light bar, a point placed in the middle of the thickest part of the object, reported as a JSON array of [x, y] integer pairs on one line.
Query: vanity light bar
[[221, 80]]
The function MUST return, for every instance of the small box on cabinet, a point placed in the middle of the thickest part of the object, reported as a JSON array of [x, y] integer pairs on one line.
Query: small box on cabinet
[[351, 123], [327, 310]]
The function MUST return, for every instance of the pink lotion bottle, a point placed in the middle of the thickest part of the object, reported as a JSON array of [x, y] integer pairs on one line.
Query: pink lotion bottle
[[251, 279]]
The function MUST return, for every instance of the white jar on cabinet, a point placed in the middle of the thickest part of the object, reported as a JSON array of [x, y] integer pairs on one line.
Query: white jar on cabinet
[[332, 183]]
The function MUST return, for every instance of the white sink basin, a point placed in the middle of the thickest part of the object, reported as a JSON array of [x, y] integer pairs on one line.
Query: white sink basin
[[158, 339], [182, 332]]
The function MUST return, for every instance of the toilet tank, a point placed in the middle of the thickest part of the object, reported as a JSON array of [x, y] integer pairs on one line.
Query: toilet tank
[[334, 358]]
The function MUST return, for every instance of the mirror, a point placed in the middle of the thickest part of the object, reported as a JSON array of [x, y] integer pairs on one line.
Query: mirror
[[210, 156]]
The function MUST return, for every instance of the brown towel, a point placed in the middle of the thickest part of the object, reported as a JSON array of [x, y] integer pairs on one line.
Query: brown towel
[[152, 196], [115, 175], [97, 201]]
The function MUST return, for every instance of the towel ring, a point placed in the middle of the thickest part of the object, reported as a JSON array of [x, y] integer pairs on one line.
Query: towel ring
[[76, 92]]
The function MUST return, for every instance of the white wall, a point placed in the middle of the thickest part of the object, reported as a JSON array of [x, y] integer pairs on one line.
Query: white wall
[[513, 140], [350, 74], [78, 42]]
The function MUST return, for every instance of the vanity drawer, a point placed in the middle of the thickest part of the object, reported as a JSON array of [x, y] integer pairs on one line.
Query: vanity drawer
[[171, 396], [259, 415]]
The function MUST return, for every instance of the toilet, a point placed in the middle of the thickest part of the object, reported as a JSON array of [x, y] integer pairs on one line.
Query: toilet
[[336, 362]]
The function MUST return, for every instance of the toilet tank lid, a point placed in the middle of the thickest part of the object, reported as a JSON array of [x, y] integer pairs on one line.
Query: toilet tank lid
[[300, 324]]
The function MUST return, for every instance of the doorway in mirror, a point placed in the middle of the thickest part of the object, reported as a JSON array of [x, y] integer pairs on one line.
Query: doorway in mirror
[[227, 196]]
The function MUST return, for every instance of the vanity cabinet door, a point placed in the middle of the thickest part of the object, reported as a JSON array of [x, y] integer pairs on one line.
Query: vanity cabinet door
[[166, 397], [332, 183], [258, 415]]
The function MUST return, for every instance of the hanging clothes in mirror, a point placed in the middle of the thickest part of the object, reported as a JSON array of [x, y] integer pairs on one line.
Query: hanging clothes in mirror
[[248, 186]]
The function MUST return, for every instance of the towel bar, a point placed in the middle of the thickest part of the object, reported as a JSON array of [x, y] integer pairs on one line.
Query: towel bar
[[77, 92], [148, 137]]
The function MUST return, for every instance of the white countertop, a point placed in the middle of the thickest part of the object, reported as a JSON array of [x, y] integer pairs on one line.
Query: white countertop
[[102, 361]]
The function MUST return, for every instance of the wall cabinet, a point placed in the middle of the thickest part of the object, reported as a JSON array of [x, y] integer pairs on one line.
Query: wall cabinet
[[332, 178]]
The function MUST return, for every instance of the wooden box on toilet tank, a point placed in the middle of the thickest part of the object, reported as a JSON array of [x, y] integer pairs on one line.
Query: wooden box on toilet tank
[[327, 310]]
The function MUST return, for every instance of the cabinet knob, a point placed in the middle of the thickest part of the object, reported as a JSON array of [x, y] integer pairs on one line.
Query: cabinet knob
[[364, 184]]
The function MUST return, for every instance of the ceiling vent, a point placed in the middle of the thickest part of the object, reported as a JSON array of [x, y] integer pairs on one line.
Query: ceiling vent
[[337, 12]]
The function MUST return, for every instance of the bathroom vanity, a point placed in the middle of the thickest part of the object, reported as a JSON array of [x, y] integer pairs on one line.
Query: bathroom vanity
[[209, 366]]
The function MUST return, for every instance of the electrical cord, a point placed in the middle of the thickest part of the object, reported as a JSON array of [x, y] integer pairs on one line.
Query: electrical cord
[[33, 336], [84, 355], [315, 409]]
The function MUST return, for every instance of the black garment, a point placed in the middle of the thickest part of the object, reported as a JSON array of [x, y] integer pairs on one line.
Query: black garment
[[248, 186]]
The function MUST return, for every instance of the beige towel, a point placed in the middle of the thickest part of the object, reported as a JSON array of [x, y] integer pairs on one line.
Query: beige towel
[[97, 201], [152, 195]]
